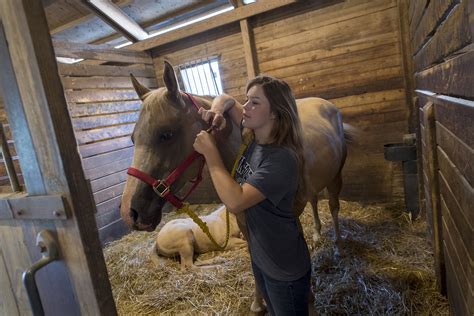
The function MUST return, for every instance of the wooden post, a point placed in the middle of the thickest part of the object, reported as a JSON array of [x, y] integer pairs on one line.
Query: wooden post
[[430, 172], [249, 48], [407, 65], [38, 114]]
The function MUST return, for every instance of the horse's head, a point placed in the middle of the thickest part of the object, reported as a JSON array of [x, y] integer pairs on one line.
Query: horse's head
[[163, 137]]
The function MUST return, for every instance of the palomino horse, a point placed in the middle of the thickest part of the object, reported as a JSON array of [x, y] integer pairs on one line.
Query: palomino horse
[[164, 136]]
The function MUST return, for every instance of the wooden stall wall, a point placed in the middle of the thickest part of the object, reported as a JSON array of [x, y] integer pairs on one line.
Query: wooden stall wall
[[345, 51], [441, 35], [104, 108], [4, 180]]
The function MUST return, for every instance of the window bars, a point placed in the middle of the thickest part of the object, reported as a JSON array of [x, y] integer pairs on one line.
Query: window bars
[[201, 76]]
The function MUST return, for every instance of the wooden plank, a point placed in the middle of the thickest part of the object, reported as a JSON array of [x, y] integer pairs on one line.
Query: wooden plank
[[88, 109], [105, 219], [113, 231], [461, 189], [109, 193], [104, 82], [105, 146], [432, 183], [109, 205], [82, 70], [457, 303], [368, 98], [451, 36], [462, 264], [100, 52], [457, 116], [96, 95], [330, 35], [382, 80], [380, 43], [453, 77], [116, 166], [14, 108], [104, 133], [249, 48], [22, 206], [458, 152], [306, 63], [108, 181], [418, 11], [8, 305], [316, 19], [104, 120], [223, 42], [435, 13], [104, 159], [16, 259], [223, 19], [450, 208]]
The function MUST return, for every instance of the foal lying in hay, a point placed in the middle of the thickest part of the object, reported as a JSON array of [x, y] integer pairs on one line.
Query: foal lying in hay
[[386, 269], [183, 238]]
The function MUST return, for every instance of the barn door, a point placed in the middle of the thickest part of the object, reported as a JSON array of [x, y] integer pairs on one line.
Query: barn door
[[57, 202]]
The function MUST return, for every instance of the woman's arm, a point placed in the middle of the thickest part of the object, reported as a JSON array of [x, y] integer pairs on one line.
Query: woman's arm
[[221, 104], [235, 197]]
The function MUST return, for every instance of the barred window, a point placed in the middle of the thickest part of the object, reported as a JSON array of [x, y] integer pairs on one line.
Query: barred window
[[201, 77]]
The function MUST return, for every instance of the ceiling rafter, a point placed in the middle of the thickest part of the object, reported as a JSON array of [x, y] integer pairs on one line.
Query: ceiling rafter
[[111, 14]]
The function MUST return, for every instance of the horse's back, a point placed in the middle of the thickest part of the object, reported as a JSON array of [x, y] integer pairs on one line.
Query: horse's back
[[325, 149]]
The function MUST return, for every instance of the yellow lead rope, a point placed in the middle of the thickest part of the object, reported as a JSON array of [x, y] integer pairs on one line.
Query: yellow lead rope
[[247, 139]]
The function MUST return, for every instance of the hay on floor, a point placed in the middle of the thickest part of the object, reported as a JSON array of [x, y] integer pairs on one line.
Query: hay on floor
[[387, 268]]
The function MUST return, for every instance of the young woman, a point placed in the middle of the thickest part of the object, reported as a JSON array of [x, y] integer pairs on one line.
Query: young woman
[[265, 185]]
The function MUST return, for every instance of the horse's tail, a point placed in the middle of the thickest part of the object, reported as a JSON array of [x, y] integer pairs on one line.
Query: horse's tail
[[350, 133]]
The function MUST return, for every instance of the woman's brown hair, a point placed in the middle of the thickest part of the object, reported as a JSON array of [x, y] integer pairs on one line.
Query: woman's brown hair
[[287, 131]]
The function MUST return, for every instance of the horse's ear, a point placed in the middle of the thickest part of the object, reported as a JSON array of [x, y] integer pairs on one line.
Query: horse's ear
[[169, 77], [139, 88]]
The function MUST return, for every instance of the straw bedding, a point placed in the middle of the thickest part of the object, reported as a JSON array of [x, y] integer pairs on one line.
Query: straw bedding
[[386, 268]]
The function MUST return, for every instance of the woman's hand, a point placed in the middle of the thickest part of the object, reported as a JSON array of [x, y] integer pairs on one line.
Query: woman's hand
[[205, 143], [216, 119]]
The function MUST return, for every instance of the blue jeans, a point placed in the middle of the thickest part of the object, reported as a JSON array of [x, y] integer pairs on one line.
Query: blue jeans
[[283, 297]]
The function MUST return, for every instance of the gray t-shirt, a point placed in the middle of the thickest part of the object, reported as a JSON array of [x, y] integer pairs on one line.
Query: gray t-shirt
[[276, 244]]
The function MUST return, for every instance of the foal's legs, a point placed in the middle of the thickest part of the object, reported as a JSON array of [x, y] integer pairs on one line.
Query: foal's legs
[[334, 189]]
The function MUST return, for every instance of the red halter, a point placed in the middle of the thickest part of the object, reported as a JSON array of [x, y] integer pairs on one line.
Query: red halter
[[162, 187]]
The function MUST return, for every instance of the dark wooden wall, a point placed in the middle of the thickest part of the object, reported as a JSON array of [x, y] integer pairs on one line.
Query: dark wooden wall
[[104, 108], [441, 34], [345, 51]]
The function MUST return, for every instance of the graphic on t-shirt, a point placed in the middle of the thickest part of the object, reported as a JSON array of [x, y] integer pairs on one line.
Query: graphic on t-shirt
[[243, 170]]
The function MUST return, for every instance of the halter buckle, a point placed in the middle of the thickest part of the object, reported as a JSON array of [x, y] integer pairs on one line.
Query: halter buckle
[[161, 188]]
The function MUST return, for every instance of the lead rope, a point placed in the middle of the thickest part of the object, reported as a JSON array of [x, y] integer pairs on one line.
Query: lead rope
[[247, 139]]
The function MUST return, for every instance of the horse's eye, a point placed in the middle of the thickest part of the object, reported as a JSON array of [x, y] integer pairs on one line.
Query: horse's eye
[[165, 136]]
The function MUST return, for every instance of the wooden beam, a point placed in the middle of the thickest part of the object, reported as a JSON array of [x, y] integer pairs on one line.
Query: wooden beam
[[234, 3], [111, 14], [178, 16], [235, 15], [249, 48], [80, 20], [100, 52]]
